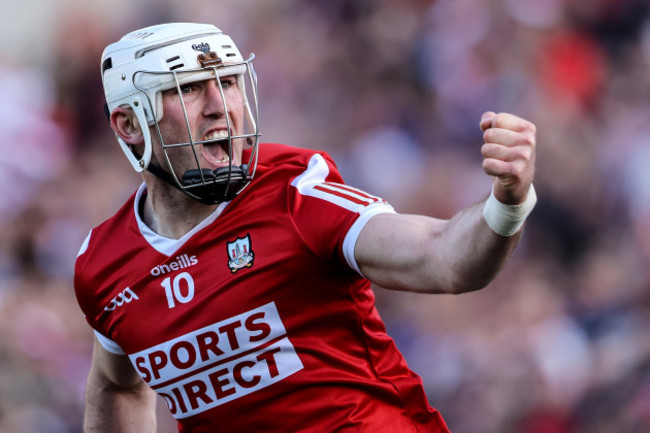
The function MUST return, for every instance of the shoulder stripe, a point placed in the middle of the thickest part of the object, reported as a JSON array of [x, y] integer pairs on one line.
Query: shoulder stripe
[[342, 193], [351, 192], [312, 182], [339, 194]]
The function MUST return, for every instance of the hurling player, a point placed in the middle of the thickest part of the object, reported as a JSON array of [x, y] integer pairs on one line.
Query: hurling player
[[235, 283]]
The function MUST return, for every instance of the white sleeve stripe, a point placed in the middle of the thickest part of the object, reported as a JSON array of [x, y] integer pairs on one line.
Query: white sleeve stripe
[[344, 192], [350, 241], [312, 183], [346, 202], [109, 344], [352, 190]]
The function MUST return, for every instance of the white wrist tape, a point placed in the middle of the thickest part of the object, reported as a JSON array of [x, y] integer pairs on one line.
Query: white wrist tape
[[506, 220]]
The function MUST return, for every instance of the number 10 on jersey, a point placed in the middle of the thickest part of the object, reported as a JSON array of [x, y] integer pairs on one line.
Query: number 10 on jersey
[[180, 288]]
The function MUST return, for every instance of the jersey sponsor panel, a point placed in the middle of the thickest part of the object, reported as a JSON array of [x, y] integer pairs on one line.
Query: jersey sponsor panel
[[220, 362], [227, 381]]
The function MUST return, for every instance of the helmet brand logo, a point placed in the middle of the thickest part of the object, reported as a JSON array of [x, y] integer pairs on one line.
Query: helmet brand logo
[[203, 47]]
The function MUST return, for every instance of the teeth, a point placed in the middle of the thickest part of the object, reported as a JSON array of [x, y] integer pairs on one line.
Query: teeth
[[221, 134]]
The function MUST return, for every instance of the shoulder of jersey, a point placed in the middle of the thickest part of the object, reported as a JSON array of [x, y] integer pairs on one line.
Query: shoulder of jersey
[[113, 230], [274, 155]]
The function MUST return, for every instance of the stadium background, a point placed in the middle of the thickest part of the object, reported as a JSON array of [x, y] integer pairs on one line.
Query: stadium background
[[393, 89]]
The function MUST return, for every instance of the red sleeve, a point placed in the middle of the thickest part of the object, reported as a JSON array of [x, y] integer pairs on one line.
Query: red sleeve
[[329, 214]]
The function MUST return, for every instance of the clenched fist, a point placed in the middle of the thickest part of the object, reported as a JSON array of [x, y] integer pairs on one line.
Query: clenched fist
[[509, 155]]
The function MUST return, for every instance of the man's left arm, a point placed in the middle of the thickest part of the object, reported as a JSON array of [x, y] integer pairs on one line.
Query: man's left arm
[[464, 253]]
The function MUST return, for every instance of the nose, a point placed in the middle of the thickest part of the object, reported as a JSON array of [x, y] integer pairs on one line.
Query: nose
[[213, 104]]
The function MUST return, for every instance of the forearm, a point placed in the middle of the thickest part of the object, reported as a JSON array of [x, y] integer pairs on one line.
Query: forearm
[[111, 408], [473, 252], [422, 254]]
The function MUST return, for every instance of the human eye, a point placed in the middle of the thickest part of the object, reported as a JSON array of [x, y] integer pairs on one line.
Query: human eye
[[188, 88], [227, 82]]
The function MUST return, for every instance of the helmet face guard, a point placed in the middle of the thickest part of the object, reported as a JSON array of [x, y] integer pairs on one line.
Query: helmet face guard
[[139, 68]]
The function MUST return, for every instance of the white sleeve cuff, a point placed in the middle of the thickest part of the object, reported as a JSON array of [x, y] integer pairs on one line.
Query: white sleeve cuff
[[350, 240], [109, 344]]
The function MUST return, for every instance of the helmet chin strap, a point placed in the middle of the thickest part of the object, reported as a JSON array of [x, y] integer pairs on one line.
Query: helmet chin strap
[[207, 186]]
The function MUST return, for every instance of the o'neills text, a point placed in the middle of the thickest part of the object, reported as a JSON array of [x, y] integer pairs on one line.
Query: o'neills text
[[181, 262], [219, 363]]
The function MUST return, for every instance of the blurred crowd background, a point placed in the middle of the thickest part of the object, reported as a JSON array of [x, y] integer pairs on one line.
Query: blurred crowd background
[[394, 90]]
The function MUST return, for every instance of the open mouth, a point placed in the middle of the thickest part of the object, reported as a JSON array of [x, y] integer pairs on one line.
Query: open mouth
[[215, 148]]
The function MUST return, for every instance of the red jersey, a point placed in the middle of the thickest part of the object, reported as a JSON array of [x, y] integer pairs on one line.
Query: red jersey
[[258, 319]]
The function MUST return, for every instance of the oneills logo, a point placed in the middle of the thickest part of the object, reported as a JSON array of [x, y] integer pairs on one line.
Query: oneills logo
[[181, 262], [240, 253]]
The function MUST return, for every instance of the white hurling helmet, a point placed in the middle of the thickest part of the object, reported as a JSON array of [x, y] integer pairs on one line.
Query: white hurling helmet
[[136, 69]]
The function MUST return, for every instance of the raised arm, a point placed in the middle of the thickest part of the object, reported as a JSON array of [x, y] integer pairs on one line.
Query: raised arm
[[418, 253], [117, 399]]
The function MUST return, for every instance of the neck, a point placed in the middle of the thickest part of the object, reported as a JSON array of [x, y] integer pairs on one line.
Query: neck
[[169, 212]]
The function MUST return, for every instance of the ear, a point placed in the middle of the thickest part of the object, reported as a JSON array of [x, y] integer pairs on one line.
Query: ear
[[125, 124]]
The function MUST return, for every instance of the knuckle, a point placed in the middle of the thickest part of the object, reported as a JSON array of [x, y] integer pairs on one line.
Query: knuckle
[[529, 128], [510, 171], [500, 119], [530, 140], [527, 139], [488, 166], [521, 153]]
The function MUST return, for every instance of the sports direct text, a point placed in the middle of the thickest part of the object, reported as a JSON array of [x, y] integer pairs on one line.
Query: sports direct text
[[219, 363]]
